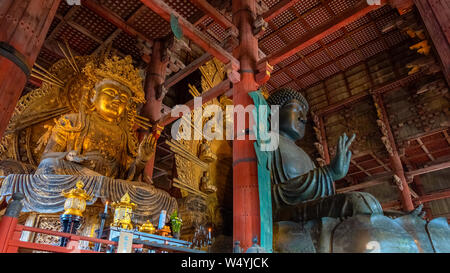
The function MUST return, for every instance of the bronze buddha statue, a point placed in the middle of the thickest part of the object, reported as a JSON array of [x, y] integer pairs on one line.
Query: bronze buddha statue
[[300, 190]]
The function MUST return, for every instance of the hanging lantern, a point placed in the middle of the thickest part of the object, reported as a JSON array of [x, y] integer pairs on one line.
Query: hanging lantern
[[123, 212], [76, 200], [147, 227]]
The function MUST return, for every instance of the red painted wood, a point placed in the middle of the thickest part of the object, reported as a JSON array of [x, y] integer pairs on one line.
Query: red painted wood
[[207, 96], [24, 25], [214, 13], [113, 18], [7, 227], [436, 16], [394, 158], [338, 22], [191, 32], [278, 8], [246, 215]]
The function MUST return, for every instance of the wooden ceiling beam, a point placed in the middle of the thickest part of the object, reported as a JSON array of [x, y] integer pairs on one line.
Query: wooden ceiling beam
[[215, 14], [207, 96], [192, 33], [278, 9], [417, 201], [183, 73], [358, 97], [338, 22], [113, 18]]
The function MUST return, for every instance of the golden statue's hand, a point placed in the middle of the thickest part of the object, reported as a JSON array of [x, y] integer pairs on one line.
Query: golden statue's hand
[[147, 148]]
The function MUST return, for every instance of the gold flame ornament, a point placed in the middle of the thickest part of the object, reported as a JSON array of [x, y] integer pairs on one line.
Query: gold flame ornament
[[147, 227], [123, 211], [76, 200]]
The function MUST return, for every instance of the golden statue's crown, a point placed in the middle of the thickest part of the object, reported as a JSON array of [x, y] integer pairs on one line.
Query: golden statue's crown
[[120, 70]]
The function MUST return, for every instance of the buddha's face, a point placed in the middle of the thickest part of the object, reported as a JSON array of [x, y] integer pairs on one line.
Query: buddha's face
[[111, 101], [293, 120]]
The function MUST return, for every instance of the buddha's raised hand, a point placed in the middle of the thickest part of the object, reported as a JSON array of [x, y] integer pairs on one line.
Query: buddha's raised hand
[[341, 162], [147, 148]]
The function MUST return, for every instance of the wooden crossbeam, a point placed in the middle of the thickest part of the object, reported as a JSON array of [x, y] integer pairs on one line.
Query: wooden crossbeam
[[80, 28], [191, 32], [358, 97], [215, 14], [420, 200], [278, 8], [338, 22], [113, 18], [187, 70], [380, 179], [207, 96]]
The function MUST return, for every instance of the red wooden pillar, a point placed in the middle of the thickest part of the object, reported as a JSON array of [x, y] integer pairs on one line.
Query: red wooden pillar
[[154, 81], [436, 16], [396, 163], [246, 217], [7, 229], [24, 25]]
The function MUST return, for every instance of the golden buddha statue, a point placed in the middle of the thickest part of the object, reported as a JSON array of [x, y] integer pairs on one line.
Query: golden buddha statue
[[81, 126], [97, 140]]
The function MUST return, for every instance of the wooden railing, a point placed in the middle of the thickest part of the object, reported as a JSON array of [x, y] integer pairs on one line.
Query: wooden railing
[[10, 233]]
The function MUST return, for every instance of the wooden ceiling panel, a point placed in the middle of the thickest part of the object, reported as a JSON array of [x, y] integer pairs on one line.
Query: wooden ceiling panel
[[151, 25], [341, 47], [122, 8], [365, 35], [303, 6], [184, 8], [329, 70], [289, 60], [373, 48], [77, 40], [299, 69], [319, 58], [93, 23], [339, 6], [293, 31], [318, 17], [272, 44], [356, 24], [351, 59], [283, 18], [333, 36]]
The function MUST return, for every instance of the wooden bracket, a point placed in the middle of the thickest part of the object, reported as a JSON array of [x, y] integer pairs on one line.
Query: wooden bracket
[[264, 70], [232, 73]]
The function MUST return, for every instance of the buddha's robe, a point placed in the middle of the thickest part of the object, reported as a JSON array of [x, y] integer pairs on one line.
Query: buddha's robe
[[104, 146], [302, 191]]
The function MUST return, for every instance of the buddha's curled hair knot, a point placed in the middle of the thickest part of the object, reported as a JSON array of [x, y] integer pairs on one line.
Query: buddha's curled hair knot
[[283, 95]]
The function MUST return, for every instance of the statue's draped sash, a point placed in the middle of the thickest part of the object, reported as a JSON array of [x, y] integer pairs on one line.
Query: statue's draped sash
[[43, 193]]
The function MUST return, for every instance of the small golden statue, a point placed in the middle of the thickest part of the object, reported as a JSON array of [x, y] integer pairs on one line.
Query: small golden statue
[[206, 155], [205, 184]]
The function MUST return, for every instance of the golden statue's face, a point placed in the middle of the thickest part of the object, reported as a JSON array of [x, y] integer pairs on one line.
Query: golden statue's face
[[111, 101]]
